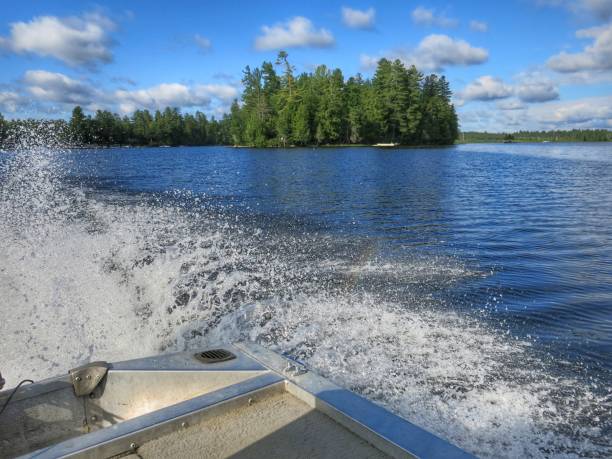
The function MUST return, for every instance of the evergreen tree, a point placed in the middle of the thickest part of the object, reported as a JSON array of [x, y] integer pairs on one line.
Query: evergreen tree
[[397, 105], [142, 127], [201, 135], [80, 126], [3, 129], [236, 124]]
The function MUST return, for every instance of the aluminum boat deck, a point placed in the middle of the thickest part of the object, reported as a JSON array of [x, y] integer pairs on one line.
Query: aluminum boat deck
[[253, 404]]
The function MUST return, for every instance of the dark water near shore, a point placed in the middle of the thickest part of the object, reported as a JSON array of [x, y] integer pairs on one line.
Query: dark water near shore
[[480, 275]]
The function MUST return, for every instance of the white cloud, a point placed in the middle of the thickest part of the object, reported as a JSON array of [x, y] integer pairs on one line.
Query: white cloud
[[173, 95], [224, 92], [358, 19], [536, 88], [202, 42], [429, 17], [157, 97], [597, 56], [433, 53], [10, 101], [57, 87], [486, 88], [369, 62], [77, 41], [295, 33], [438, 51], [587, 113], [479, 26], [530, 87]]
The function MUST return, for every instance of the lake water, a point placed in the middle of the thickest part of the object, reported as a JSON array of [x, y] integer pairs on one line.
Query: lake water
[[468, 289]]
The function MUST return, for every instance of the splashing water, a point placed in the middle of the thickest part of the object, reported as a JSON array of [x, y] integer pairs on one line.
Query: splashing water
[[88, 275]]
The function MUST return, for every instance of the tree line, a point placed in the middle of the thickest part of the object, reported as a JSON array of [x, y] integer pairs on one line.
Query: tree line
[[397, 105], [278, 108], [167, 127], [573, 135]]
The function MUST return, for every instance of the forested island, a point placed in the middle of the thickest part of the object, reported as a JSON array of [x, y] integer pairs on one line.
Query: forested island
[[397, 105]]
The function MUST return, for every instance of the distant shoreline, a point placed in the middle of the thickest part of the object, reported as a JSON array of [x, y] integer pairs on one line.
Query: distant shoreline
[[314, 147]]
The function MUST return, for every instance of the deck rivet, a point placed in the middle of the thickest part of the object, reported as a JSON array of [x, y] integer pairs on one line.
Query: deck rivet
[[78, 378], [132, 445], [183, 424], [93, 418], [251, 401], [88, 376]]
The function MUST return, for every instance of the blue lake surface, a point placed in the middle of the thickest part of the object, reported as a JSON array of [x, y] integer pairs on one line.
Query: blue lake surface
[[537, 217], [468, 289]]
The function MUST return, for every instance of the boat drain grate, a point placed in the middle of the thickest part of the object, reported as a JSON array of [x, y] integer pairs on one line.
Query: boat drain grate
[[215, 356]]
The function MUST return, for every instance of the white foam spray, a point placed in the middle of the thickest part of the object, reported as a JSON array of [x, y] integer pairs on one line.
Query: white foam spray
[[90, 276]]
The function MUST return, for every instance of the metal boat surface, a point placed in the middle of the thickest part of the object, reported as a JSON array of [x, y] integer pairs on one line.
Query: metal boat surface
[[240, 401]]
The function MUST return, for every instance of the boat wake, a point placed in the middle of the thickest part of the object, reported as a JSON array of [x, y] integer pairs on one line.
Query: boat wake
[[93, 274]]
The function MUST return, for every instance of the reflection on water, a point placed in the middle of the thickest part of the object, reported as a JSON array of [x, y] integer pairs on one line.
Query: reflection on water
[[481, 275]]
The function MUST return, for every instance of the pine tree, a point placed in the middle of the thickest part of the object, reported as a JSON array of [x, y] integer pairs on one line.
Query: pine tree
[[201, 129], [398, 104], [236, 124], [80, 127], [355, 113], [3, 129], [284, 101]]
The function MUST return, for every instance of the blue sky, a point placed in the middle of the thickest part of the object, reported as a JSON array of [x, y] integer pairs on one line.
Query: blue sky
[[523, 64]]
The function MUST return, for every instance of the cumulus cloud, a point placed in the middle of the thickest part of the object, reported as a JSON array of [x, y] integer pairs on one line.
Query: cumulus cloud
[[536, 88], [10, 101], [438, 51], [155, 97], [479, 26], [77, 41], [530, 87], [203, 43], [57, 87], [587, 113], [429, 17], [596, 56], [52, 87], [224, 92], [433, 53], [298, 32], [358, 19], [173, 95], [486, 88]]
